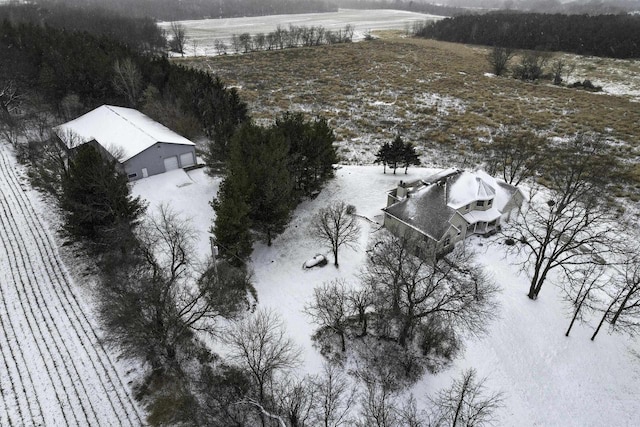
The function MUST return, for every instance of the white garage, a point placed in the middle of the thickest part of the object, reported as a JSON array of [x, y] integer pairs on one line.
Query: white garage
[[187, 159], [171, 163], [144, 146]]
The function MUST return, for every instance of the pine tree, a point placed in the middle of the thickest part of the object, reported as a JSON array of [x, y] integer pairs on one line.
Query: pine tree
[[231, 227], [396, 153], [271, 199], [382, 156], [96, 195], [409, 156]]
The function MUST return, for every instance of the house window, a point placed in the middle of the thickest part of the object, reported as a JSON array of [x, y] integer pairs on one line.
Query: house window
[[492, 223], [466, 208], [490, 202], [480, 203], [132, 175], [447, 241]]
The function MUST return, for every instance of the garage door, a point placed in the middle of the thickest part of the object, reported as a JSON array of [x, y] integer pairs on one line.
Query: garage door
[[186, 159], [171, 163]]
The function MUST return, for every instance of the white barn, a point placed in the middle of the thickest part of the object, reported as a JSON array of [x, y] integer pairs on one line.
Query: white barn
[[143, 146]]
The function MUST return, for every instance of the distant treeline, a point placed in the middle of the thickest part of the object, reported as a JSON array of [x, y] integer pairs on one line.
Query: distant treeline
[[615, 36], [285, 38], [408, 5], [137, 33], [75, 71], [173, 10]]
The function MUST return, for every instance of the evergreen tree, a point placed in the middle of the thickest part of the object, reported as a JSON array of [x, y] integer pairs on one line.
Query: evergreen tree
[[396, 153], [311, 151], [409, 156], [382, 155], [96, 196], [231, 227], [264, 157]]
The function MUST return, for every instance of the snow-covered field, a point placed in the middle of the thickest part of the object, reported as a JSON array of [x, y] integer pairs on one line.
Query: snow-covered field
[[53, 367], [202, 33], [547, 379]]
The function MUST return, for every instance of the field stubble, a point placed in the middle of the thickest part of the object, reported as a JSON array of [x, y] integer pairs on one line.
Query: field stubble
[[437, 95]]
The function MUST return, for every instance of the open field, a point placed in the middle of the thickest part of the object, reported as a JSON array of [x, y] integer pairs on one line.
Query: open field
[[202, 33], [54, 368], [438, 95]]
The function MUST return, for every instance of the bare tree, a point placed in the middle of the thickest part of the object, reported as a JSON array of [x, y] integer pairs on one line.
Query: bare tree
[[127, 80], [329, 308], [569, 221], [334, 397], [154, 299], [360, 301], [531, 66], [623, 311], [515, 155], [221, 47], [10, 98], [378, 399], [11, 123], [557, 69], [580, 290], [465, 403], [295, 399], [333, 225], [409, 290], [561, 71], [498, 58], [179, 38], [260, 345]]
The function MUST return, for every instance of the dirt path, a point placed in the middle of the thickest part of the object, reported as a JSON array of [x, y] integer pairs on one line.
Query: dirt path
[[53, 369]]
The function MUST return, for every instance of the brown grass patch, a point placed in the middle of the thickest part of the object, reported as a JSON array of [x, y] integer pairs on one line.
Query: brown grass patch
[[424, 89]]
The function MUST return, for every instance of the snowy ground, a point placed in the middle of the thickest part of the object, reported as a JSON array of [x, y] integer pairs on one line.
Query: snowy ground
[[202, 33], [53, 368], [547, 379]]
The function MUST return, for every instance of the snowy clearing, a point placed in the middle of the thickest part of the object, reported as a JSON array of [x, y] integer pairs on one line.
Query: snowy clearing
[[53, 367], [202, 33], [547, 379]]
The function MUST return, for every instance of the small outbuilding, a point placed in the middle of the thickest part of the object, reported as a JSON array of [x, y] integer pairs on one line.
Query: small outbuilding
[[445, 208], [142, 146]]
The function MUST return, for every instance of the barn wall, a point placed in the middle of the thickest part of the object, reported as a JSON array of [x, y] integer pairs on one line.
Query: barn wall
[[153, 158]]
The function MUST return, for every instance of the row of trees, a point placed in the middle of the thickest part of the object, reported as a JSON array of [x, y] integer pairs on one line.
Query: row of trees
[[284, 38], [269, 170], [168, 10], [615, 36], [396, 154], [571, 227], [140, 34]]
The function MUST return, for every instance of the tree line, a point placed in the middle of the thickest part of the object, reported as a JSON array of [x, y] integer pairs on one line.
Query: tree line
[[614, 36], [141, 33], [408, 5], [168, 10], [285, 38], [268, 171]]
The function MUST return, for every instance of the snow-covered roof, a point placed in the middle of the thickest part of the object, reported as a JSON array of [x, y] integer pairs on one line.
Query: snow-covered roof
[[430, 206], [469, 187], [126, 130]]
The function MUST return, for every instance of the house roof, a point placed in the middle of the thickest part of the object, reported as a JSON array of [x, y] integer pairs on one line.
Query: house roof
[[430, 206], [426, 210], [124, 130]]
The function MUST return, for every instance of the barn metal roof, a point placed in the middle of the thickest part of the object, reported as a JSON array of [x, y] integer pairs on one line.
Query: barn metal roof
[[120, 130]]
